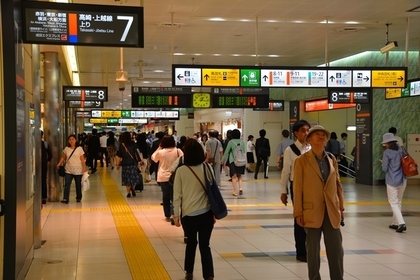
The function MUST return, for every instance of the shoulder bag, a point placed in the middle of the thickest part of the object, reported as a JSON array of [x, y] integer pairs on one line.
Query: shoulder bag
[[217, 204], [61, 170], [138, 161], [409, 165]]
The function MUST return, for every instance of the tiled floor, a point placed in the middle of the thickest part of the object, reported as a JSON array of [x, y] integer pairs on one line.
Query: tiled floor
[[255, 241]]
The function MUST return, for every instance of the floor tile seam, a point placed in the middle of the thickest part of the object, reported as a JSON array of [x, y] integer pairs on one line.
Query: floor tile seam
[[137, 247]]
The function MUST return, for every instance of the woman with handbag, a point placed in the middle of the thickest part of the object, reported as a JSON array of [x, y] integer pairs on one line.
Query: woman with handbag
[[395, 179], [166, 154], [191, 200], [74, 160], [130, 175]]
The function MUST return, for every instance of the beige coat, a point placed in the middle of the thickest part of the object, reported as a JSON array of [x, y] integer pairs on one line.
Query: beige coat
[[312, 196]]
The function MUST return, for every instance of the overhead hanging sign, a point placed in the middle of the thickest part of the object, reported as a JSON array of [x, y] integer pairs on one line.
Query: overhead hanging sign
[[340, 95], [80, 24], [71, 93], [323, 104], [288, 77], [86, 104], [160, 97]]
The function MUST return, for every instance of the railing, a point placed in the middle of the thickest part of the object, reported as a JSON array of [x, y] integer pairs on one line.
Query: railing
[[349, 172]]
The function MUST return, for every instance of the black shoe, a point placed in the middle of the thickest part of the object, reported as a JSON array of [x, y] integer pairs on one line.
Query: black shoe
[[301, 258], [129, 195], [133, 193], [401, 228], [65, 201], [241, 192], [255, 177], [78, 200], [393, 226], [44, 201], [230, 180], [265, 177]]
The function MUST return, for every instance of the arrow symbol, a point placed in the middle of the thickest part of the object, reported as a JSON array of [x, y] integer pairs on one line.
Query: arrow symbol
[[332, 78], [366, 78], [400, 78], [180, 76], [207, 77], [265, 77], [245, 77]]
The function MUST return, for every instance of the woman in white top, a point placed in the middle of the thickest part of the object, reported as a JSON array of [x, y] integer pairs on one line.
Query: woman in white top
[[74, 160], [250, 153], [166, 155]]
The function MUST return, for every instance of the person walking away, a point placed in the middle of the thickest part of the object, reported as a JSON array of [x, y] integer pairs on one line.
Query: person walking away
[[104, 151], [166, 154], [111, 148], [318, 204], [144, 151], [233, 149], [333, 146], [250, 147], [284, 143], [262, 151], [191, 201], [74, 160], [46, 156], [300, 130], [155, 145], [94, 147], [126, 158], [213, 154], [395, 179], [225, 143]]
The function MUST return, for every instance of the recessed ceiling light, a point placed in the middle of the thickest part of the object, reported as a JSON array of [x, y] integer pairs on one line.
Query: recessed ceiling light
[[298, 21], [146, 82], [158, 71], [325, 21], [352, 22], [245, 20], [179, 53], [217, 19], [217, 54]]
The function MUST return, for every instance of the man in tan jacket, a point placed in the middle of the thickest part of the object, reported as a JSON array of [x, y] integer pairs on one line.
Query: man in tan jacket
[[318, 204]]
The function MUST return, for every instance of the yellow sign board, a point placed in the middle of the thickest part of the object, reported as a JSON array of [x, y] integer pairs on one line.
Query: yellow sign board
[[391, 93], [388, 79], [97, 121], [220, 77], [111, 114]]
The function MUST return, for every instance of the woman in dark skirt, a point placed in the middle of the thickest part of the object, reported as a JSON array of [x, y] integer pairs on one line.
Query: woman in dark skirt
[[127, 159], [236, 172]]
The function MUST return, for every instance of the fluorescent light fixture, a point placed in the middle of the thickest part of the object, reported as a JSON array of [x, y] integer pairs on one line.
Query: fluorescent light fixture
[[228, 113], [352, 22], [217, 19], [325, 21], [71, 61], [235, 54], [351, 128], [179, 53], [158, 71], [273, 55], [76, 79], [217, 54], [298, 21], [245, 20]]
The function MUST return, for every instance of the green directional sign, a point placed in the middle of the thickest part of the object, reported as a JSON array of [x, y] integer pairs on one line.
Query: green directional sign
[[125, 114], [250, 78], [112, 121]]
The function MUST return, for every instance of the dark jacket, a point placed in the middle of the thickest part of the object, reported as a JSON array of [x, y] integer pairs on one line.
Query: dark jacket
[[262, 142]]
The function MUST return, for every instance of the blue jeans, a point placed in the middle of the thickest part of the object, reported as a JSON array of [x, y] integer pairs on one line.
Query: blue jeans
[[67, 182], [203, 225]]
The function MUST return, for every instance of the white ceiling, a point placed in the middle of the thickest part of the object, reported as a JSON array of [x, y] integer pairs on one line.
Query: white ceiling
[[266, 32]]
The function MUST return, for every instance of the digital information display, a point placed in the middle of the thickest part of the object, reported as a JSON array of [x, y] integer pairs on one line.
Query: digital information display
[[160, 97], [71, 93], [83, 114], [287, 77], [240, 97], [127, 114], [339, 95], [86, 104], [273, 105], [323, 104], [80, 24]]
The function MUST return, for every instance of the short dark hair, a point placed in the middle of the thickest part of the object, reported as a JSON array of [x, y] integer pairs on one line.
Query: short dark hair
[[213, 133], [343, 135], [94, 131], [236, 134], [193, 152], [167, 142], [300, 123], [392, 130], [263, 132], [285, 133], [250, 137], [333, 135]]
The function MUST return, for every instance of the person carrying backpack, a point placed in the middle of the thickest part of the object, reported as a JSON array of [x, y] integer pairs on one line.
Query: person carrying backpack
[[235, 158]]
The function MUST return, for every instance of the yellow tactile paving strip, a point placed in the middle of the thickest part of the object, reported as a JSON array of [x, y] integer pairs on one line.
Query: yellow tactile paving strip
[[142, 259]]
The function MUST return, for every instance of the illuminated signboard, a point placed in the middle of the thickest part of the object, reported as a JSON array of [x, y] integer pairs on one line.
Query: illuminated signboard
[[240, 97], [71, 93], [86, 104], [83, 114], [273, 105], [322, 104], [80, 24], [161, 114], [288, 77], [155, 97], [412, 90], [340, 95]]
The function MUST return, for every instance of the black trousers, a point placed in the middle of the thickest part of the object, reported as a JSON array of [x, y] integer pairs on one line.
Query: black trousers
[[44, 190], [257, 167], [299, 232]]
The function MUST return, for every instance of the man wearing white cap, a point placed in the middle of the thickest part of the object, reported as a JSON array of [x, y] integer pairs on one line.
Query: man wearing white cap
[[318, 204]]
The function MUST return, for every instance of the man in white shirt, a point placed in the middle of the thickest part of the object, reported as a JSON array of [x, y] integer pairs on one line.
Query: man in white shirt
[[104, 152], [393, 130], [300, 131], [214, 149], [284, 143]]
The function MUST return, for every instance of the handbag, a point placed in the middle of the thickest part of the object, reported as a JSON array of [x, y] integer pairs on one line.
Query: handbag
[[217, 203], [409, 165], [61, 170]]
